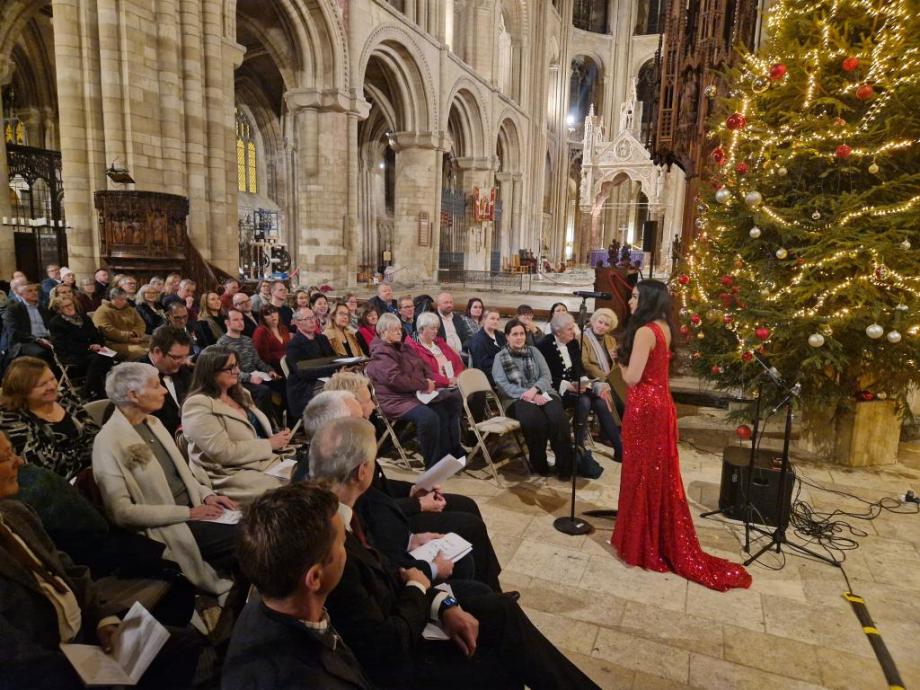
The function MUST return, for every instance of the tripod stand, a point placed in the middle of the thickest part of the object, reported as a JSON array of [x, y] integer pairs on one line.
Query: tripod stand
[[778, 536]]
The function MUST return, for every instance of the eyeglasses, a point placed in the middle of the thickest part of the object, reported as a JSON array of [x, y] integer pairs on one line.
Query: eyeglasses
[[175, 358], [306, 318], [231, 369]]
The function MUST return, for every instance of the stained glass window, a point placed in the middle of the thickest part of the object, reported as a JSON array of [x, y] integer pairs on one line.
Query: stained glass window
[[245, 155]]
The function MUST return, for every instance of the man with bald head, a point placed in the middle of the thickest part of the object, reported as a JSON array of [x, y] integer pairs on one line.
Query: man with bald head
[[383, 301], [453, 328]]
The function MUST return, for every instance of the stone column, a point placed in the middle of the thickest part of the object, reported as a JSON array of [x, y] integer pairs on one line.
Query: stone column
[[418, 194], [7, 243]]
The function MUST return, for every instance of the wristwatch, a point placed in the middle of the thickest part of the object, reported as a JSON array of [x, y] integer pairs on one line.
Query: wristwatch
[[448, 603]]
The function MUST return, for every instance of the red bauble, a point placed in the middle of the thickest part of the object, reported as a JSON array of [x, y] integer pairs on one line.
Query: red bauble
[[849, 63], [864, 92], [727, 280], [865, 395], [777, 71], [843, 152], [695, 319], [839, 122], [762, 333], [743, 432], [683, 279], [716, 370], [742, 168], [718, 155], [736, 289], [685, 330], [728, 318], [735, 121], [747, 356], [726, 298]]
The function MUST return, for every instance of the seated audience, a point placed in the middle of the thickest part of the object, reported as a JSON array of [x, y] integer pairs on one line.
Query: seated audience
[[87, 296], [158, 284], [148, 306], [383, 301], [278, 300], [525, 317], [305, 346], [442, 362], [243, 303], [292, 548], [351, 300], [557, 308], [231, 288], [486, 343], [146, 484], [453, 328], [129, 285], [407, 316], [599, 356], [524, 382], [398, 374], [210, 324], [561, 351], [177, 316], [381, 611], [367, 327], [472, 317], [301, 299], [45, 599], [77, 343], [262, 296], [251, 365], [228, 436], [122, 327], [170, 350], [271, 338], [26, 325], [342, 337], [45, 427], [320, 306], [101, 276], [170, 287], [185, 294], [53, 271]]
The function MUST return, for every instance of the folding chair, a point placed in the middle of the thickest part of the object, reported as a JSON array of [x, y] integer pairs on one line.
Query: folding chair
[[390, 433], [284, 367], [96, 409], [471, 382]]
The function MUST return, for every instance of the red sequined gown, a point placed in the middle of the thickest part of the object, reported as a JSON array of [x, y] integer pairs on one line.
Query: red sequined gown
[[654, 528]]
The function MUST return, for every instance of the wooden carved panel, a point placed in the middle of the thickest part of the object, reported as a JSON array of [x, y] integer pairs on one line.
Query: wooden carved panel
[[142, 229]]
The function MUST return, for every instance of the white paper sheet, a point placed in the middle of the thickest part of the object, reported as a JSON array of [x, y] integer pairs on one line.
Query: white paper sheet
[[443, 470]]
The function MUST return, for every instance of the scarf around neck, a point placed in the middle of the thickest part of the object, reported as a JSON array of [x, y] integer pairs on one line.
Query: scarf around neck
[[520, 367]]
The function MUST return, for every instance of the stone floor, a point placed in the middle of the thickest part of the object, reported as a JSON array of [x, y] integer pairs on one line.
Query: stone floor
[[629, 628]]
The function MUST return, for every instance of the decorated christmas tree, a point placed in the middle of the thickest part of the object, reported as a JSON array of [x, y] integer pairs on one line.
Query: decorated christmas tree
[[808, 249]]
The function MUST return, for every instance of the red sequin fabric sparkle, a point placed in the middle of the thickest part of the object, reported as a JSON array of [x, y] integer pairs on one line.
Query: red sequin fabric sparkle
[[654, 529]]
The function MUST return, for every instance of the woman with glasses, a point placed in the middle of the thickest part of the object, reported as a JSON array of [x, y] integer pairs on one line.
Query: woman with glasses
[[340, 334], [229, 437]]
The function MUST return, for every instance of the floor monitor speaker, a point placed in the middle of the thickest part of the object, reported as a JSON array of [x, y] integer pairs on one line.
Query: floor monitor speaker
[[764, 485]]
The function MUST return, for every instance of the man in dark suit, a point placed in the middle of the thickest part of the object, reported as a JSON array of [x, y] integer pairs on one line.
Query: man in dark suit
[[169, 352], [292, 548], [243, 303], [453, 328], [25, 325], [562, 352], [383, 301], [177, 316], [306, 345], [381, 611]]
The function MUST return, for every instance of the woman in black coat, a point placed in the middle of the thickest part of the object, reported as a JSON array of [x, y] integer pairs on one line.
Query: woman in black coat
[[148, 306], [77, 343]]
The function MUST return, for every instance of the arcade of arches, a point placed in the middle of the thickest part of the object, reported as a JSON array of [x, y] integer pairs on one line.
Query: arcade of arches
[[357, 127]]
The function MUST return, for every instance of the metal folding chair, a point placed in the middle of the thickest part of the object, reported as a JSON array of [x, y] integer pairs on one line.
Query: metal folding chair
[[389, 432], [471, 382], [96, 409]]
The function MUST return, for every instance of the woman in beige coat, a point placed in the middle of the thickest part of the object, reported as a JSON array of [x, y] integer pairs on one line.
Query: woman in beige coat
[[146, 484], [122, 327], [229, 438], [598, 356]]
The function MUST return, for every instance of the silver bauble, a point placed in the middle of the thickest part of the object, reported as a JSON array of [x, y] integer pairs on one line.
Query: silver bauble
[[816, 215], [905, 245], [901, 307], [816, 340], [754, 232], [894, 337], [723, 195], [873, 168], [781, 171], [698, 222], [781, 253], [875, 331], [753, 199], [711, 91]]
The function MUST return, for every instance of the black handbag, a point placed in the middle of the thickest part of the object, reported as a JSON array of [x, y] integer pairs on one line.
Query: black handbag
[[588, 467]]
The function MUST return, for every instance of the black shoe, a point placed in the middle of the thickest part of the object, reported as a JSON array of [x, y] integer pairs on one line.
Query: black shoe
[[514, 595], [618, 457]]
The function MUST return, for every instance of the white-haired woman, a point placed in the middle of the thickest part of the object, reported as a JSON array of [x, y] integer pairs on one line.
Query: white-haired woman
[[599, 355], [444, 365], [146, 485], [398, 374], [148, 306]]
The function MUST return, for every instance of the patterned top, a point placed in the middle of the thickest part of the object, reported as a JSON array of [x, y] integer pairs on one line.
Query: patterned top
[[46, 444]]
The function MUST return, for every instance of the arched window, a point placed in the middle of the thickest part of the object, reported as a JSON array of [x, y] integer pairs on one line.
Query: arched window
[[245, 154]]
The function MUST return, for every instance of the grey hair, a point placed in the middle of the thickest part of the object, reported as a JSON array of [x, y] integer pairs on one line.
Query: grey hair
[[127, 378], [139, 296], [560, 320], [116, 292], [340, 446], [350, 381], [324, 407], [386, 322], [426, 319], [187, 283]]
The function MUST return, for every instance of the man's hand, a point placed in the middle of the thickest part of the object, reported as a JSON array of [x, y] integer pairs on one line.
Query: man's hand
[[414, 575], [463, 629], [45, 343], [224, 501], [205, 512], [422, 538], [432, 503], [444, 565], [105, 635]]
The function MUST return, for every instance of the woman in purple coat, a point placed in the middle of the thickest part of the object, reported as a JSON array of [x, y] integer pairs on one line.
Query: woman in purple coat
[[398, 374]]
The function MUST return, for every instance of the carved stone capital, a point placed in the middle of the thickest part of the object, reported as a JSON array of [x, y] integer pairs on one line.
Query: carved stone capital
[[438, 141], [327, 101]]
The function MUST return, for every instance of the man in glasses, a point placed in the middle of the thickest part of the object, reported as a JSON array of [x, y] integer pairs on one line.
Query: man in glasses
[[243, 304], [306, 345], [170, 350]]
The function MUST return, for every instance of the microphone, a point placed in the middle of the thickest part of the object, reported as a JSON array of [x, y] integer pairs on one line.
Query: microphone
[[770, 370], [586, 294]]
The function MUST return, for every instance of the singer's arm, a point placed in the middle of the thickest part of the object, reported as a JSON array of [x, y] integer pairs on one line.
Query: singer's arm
[[643, 344]]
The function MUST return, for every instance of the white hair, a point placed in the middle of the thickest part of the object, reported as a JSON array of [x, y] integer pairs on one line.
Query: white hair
[[340, 446], [139, 295], [426, 319], [324, 407], [560, 320], [386, 322], [127, 378]]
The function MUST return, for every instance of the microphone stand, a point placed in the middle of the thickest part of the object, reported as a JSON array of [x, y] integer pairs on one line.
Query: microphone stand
[[571, 524]]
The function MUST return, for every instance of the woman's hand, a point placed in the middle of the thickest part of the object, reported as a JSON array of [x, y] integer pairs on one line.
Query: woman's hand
[[280, 440], [224, 501], [205, 512], [430, 386], [529, 394]]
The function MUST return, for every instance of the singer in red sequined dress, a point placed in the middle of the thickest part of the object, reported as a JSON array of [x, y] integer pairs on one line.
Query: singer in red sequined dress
[[654, 529]]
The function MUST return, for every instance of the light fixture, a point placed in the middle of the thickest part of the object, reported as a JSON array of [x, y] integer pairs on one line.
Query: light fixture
[[119, 175]]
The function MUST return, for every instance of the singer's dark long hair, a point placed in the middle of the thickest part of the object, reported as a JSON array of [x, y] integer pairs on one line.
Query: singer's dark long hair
[[654, 305]]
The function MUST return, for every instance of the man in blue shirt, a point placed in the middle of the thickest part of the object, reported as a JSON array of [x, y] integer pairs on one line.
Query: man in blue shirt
[[25, 326]]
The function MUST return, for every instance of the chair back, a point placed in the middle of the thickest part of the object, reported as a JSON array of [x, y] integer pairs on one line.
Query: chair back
[[473, 381], [284, 367], [96, 410]]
